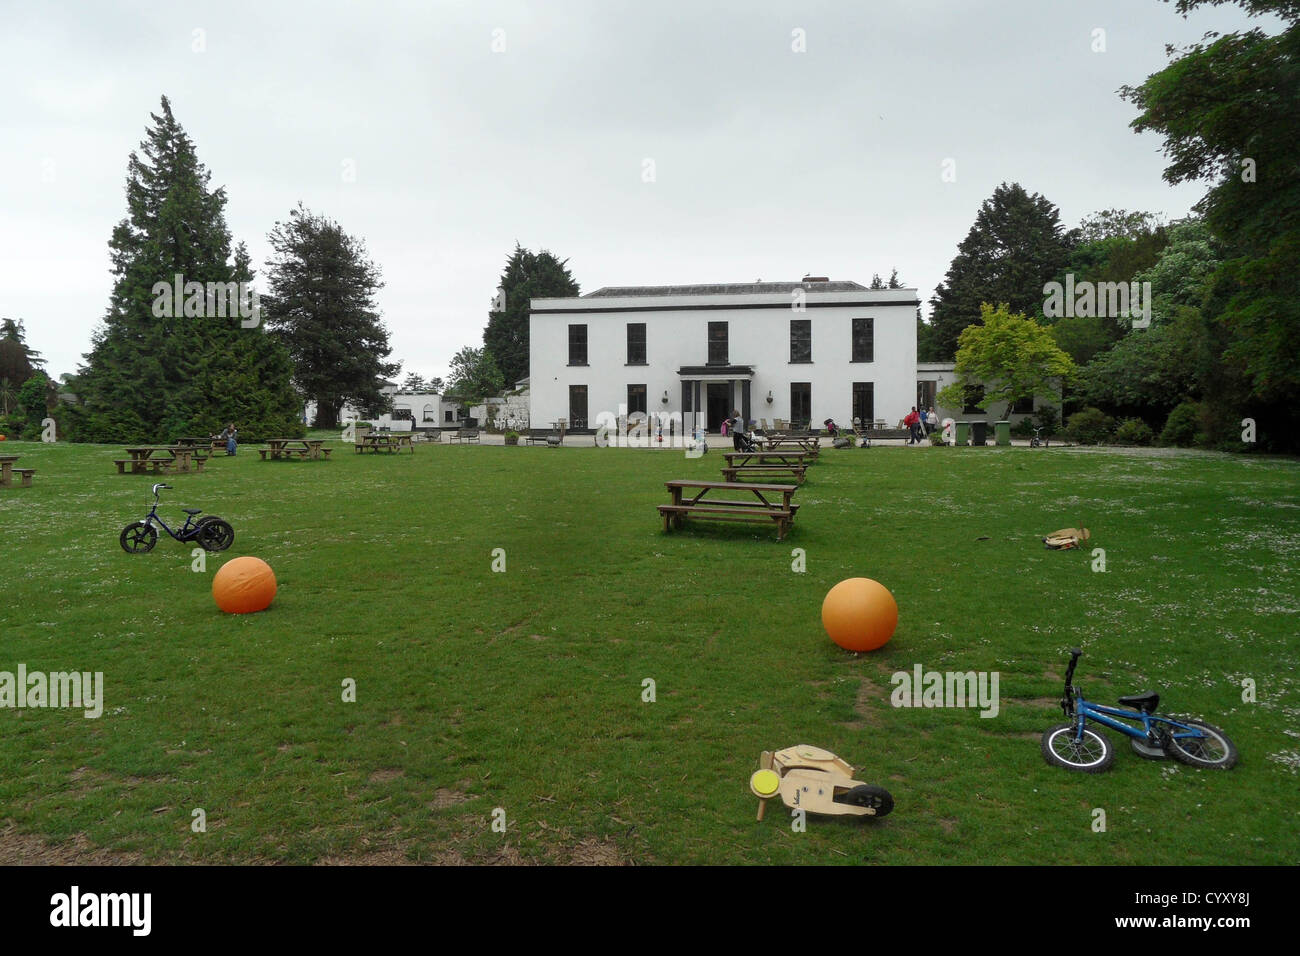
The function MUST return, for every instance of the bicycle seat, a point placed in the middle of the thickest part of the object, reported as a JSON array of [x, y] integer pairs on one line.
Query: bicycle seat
[[192, 511], [1146, 702]]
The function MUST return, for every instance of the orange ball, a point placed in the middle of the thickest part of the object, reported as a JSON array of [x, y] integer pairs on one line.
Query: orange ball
[[860, 614], [244, 585]]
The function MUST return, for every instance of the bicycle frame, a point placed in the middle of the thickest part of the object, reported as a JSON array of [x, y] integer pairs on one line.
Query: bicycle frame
[[190, 523], [1079, 709], [1106, 715]]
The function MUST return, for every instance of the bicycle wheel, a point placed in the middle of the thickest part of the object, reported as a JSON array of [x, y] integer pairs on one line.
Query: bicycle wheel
[[215, 534], [1090, 754], [1213, 749], [877, 800], [138, 538]]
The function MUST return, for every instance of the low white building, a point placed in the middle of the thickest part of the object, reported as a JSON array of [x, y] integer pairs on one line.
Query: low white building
[[796, 351], [411, 410]]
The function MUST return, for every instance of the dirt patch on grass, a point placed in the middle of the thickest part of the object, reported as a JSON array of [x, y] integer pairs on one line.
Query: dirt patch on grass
[[867, 705], [593, 852], [387, 775], [22, 849], [445, 797]]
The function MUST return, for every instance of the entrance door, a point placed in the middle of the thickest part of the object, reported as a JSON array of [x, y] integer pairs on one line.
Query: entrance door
[[718, 403], [577, 407]]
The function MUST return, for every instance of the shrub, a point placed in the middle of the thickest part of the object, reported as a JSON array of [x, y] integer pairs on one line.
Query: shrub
[[512, 437], [1134, 431], [1183, 426], [1023, 428], [1048, 418], [1091, 426]]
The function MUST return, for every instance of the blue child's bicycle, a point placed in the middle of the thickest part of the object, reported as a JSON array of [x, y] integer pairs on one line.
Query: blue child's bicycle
[[1076, 746], [210, 533]]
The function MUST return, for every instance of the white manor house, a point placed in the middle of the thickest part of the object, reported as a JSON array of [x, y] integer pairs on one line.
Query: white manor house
[[800, 352]]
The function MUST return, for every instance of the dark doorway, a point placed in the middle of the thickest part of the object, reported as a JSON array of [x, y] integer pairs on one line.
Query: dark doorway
[[577, 407], [718, 403]]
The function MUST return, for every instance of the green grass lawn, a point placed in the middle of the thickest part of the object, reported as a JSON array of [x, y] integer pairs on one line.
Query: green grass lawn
[[523, 690]]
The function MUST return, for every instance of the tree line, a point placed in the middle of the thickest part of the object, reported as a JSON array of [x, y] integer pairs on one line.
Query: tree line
[[1209, 336]]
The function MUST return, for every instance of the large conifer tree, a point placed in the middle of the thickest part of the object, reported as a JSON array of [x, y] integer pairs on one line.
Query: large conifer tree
[[528, 275], [153, 378], [1016, 245], [321, 304]]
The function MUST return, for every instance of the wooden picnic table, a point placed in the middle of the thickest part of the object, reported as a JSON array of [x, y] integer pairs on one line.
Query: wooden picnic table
[[7, 472], [304, 448], [178, 459], [758, 502], [766, 463], [809, 444], [385, 441]]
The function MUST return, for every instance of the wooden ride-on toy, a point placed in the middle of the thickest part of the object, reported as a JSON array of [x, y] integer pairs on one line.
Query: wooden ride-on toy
[[815, 780]]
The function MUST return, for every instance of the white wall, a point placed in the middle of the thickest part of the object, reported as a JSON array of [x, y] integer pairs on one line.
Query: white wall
[[758, 337]]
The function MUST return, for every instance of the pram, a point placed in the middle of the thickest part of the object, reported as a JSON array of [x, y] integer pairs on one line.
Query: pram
[[838, 438]]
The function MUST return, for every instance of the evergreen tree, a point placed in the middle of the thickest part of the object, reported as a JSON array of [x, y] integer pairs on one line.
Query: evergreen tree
[[321, 303], [18, 363], [527, 276], [1015, 247], [152, 375]]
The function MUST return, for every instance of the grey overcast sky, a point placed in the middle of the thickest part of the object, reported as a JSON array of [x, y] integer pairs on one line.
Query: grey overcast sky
[[768, 163]]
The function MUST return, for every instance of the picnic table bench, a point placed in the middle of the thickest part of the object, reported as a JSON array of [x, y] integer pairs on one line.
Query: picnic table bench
[[391, 442], [286, 448], [464, 435], [161, 459], [761, 505], [543, 436], [7, 472], [767, 463]]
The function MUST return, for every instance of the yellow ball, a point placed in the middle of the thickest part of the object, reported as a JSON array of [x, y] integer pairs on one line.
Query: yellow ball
[[860, 614], [244, 585]]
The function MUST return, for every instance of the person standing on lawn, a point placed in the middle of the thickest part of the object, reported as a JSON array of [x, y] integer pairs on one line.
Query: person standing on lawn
[[913, 424]]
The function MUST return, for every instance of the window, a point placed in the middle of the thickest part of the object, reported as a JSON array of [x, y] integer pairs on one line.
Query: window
[[800, 340], [402, 413], [429, 415], [578, 404], [864, 402], [717, 343], [1023, 406], [577, 345], [800, 404], [636, 399], [636, 343], [447, 416], [864, 340], [974, 400]]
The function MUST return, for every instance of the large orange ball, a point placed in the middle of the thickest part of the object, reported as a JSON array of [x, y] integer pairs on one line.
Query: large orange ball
[[244, 585], [860, 614]]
